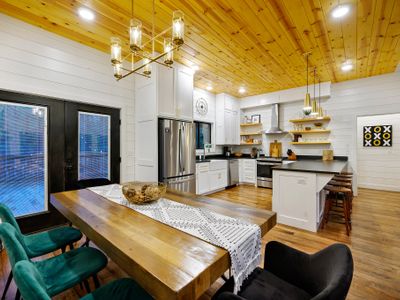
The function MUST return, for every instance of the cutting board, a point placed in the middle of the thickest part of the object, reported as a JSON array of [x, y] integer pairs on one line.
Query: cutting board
[[275, 149]]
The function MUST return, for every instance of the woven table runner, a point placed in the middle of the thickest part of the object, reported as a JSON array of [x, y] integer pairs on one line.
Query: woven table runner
[[240, 238]]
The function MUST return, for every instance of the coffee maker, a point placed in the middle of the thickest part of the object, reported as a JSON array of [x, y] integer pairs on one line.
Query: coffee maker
[[227, 151]]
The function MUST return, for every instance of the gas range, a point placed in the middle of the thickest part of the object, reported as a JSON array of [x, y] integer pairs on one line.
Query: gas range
[[265, 166]]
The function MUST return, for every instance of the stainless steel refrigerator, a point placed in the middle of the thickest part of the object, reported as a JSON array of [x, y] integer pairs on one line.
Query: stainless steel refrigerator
[[177, 154]]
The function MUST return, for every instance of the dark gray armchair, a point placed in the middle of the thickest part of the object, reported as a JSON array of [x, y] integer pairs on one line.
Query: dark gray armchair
[[291, 274]]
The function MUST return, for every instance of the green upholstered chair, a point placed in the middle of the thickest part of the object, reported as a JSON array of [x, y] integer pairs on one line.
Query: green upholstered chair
[[41, 243], [33, 286], [58, 273]]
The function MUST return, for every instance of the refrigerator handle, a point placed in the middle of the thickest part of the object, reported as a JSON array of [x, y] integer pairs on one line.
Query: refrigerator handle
[[183, 146], [180, 148]]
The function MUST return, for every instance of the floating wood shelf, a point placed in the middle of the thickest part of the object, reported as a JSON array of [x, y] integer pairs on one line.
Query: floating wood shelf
[[249, 144], [251, 133], [305, 120], [310, 131], [311, 143], [250, 124]]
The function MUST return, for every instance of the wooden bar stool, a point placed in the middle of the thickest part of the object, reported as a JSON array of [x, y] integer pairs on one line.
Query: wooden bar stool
[[333, 192]]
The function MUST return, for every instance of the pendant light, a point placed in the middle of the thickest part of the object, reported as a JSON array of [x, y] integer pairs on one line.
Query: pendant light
[[115, 50], [314, 109], [169, 57], [307, 101], [178, 27]]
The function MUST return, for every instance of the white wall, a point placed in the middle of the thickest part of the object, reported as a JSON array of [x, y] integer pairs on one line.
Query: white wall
[[349, 99], [379, 167], [36, 61], [209, 117]]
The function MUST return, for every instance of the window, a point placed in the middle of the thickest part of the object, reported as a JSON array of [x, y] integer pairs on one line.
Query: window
[[94, 146], [203, 134], [23, 158]]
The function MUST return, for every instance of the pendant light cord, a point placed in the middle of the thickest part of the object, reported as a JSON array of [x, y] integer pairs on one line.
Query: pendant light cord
[[152, 28], [132, 4], [314, 80], [307, 71]]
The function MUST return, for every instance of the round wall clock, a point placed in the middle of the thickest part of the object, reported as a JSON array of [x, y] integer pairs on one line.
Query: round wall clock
[[202, 106]]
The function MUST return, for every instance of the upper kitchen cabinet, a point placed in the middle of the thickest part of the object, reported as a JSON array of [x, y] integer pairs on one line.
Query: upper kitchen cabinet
[[175, 92], [227, 120], [183, 93]]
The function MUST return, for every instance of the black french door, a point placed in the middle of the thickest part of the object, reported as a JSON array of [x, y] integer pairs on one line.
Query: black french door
[[92, 143], [46, 146]]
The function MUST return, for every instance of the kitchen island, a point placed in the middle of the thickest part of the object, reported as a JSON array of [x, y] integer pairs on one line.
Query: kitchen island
[[297, 195]]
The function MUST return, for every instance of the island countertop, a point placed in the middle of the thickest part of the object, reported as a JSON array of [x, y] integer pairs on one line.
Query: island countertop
[[314, 166]]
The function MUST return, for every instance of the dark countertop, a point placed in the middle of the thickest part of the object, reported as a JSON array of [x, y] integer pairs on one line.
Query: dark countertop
[[314, 166]]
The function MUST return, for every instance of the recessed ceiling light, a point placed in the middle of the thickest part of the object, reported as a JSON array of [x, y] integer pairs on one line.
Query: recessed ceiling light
[[242, 90], [195, 68], [347, 67], [86, 14], [340, 11], [209, 88]]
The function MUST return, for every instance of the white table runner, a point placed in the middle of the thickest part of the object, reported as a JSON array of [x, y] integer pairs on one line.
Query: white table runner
[[240, 238]]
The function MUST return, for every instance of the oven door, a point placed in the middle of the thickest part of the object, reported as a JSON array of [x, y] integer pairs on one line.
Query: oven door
[[264, 173]]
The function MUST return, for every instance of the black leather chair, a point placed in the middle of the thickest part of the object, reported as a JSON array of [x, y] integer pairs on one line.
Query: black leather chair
[[291, 274]]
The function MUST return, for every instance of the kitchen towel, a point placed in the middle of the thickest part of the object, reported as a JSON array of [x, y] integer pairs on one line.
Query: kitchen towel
[[240, 238]]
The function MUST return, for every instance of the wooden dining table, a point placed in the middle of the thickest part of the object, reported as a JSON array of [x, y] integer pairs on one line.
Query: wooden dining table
[[166, 262]]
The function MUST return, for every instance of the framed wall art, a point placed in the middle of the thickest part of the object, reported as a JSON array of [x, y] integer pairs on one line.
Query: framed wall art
[[378, 136]]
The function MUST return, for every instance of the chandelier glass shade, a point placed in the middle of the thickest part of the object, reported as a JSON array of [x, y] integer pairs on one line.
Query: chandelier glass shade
[[138, 56]]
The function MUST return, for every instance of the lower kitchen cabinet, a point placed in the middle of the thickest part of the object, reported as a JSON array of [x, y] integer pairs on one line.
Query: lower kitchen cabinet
[[248, 171], [211, 176]]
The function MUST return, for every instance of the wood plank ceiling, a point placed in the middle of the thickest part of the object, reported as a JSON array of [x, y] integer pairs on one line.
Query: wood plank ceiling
[[257, 44]]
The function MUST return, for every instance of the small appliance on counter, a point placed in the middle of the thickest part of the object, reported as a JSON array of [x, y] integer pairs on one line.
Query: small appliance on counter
[[327, 155], [291, 155], [227, 152]]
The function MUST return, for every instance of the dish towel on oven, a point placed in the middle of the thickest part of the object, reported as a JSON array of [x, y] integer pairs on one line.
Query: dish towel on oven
[[240, 238]]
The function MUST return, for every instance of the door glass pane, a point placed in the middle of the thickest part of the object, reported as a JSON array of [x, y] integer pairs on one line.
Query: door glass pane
[[23, 158], [94, 146]]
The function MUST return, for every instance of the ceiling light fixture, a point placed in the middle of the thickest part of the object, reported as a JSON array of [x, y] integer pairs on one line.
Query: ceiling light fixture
[[307, 101], [137, 47], [242, 90], [209, 88], [340, 11], [314, 108], [347, 67], [86, 14]]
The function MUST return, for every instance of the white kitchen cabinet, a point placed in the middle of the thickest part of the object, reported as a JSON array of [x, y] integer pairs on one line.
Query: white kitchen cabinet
[[211, 176], [248, 171], [184, 93], [227, 120], [165, 90], [202, 178]]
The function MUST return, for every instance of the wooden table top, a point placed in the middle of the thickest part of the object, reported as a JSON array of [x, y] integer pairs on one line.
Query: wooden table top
[[167, 262]]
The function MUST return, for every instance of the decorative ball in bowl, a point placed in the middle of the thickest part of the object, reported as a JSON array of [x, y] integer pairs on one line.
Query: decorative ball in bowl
[[137, 192]]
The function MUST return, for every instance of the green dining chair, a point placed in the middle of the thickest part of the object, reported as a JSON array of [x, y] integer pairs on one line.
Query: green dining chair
[[33, 287], [41, 243], [58, 273]]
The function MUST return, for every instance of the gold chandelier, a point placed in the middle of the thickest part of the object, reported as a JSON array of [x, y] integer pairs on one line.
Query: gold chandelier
[[137, 47]]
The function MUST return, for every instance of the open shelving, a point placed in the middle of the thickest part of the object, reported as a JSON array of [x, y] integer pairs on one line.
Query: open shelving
[[310, 131], [307, 120], [251, 133], [250, 124], [311, 143]]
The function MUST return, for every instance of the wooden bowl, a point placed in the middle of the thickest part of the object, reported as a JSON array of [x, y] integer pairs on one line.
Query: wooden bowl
[[142, 192]]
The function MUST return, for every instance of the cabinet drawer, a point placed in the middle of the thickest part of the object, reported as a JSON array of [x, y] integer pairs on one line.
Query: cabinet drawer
[[249, 163], [218, 165], [202, 167]]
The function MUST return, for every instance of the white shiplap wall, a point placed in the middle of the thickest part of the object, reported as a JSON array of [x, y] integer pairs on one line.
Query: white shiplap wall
[[379, 167], [36, 61], [350, 99]]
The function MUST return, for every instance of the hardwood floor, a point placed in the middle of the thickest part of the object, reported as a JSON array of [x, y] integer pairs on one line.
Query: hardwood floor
[[374, 241]]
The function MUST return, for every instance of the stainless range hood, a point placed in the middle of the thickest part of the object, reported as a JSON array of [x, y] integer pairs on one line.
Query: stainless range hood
[[275, 121]]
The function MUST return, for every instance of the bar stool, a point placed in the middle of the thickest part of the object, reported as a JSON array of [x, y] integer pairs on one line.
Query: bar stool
[[333, 192]]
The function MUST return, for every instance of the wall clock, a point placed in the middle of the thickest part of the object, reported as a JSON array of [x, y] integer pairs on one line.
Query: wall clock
[[202, 106]]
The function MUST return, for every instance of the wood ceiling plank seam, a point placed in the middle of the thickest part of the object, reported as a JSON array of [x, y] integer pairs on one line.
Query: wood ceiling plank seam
[[386, 42], [375, 40], [394, 57], [311, 34], [364, 38], [234, 52], [285, 52], [349, 33], [27, 17], [333, 39], [251, 40], [316, 21], [229, 43]]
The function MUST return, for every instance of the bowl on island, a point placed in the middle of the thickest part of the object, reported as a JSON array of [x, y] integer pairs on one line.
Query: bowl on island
[[137, 192]]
